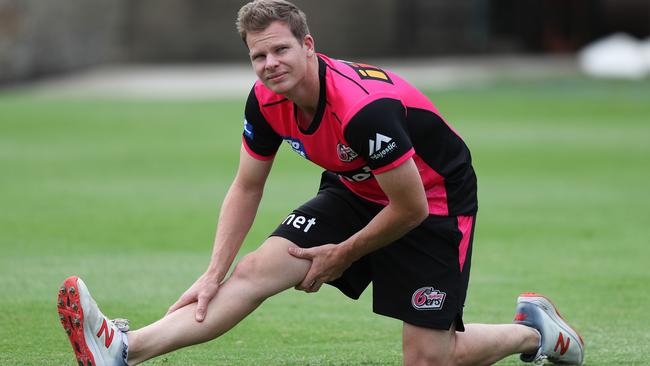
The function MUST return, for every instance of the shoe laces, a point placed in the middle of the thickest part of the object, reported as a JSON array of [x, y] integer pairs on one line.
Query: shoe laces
[[539, 360], [121, 324]]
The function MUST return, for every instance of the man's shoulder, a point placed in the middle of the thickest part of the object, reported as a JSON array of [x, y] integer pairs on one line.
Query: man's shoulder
[[366, 77], [265, 96], [357, 85]]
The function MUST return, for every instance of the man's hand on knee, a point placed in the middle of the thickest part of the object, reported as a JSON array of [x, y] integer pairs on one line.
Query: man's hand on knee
[[327, 264], [201, 292]]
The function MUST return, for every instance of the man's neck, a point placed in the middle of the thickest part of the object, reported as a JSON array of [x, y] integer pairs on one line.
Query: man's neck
[[307, 93]]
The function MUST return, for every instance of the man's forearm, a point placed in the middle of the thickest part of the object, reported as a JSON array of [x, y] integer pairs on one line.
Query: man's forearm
[[389, 225], [235, 220], [407, 208]]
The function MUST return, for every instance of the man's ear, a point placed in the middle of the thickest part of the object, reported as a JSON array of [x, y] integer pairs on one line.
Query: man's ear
[[308, 42]]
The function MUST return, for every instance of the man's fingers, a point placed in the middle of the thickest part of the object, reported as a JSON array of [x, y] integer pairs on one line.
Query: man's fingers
[[178, 304], [300, 252], [171, 309], [200, 312], [316, 286], [201, 308], [182, 301], [308, 285]]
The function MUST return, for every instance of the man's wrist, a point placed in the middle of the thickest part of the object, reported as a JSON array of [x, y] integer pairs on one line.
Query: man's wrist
[[213, 273], [347, 253]]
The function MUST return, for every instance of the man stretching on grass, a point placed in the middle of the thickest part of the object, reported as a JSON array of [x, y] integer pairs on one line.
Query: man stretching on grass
[[396, 207]]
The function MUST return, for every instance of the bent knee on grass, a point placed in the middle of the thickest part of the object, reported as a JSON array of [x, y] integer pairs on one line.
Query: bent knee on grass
[[428, 347], [426, 359]]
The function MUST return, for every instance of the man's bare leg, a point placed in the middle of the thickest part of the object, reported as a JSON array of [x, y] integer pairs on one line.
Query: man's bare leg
[[263, 273], [480, 344]]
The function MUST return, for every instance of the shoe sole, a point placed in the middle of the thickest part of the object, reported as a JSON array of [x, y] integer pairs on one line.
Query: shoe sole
[[551, 310], [71, 315]]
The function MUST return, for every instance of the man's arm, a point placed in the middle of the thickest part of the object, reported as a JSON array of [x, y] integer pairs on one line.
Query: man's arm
[[238, 212], [235, 220], [407, 209]]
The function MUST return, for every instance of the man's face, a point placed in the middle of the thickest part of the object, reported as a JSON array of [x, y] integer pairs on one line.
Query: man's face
[[278, 58]]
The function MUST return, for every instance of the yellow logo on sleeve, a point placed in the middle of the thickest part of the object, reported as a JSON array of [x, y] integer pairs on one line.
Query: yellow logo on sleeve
[[369, 72]]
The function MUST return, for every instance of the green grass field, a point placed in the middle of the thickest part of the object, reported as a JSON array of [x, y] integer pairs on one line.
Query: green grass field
[[126, 195]]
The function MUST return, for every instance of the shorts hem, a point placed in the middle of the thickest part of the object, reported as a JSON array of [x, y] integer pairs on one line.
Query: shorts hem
[[443, 324]]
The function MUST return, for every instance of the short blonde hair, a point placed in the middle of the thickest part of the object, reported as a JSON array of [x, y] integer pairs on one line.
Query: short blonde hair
[[257, 15]]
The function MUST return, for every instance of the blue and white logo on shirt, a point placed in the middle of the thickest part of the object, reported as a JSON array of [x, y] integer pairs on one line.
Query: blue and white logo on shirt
[[248, 129], [297, 146]]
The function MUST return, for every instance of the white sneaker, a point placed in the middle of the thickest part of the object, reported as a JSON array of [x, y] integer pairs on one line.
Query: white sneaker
[[96, 341], [559, 342]]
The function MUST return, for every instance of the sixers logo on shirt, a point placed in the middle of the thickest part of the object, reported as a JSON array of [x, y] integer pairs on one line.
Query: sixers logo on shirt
[[428, 298], [345, 153]]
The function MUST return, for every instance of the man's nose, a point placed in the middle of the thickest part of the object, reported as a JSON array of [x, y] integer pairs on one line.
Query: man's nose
[[271, 62]]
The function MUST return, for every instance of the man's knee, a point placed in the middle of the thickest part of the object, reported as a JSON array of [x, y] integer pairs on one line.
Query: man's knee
[[248, 268], [428, 347], [269, 269], [435, 356], [427, 356]]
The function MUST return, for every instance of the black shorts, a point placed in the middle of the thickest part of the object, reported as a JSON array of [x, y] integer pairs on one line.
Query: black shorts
[[420, 279]]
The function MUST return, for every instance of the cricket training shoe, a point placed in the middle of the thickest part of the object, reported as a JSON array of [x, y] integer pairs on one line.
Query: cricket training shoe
[[559, 342], [96, 341]]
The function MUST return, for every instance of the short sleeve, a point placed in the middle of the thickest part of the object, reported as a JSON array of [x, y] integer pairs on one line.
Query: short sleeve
[[378, 133], [260, 140]]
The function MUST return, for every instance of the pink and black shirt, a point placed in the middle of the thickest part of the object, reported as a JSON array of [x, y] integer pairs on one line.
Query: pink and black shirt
[[368, 121]]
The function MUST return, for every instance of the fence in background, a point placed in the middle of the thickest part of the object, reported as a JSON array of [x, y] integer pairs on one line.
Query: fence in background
[[40, 37]]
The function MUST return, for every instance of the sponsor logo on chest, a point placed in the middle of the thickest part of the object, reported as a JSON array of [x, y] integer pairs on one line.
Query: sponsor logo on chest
[[297, 146], [357, 175]]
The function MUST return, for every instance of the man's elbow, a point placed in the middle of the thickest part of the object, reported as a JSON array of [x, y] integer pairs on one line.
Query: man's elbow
[[418, 213], [240, 188]]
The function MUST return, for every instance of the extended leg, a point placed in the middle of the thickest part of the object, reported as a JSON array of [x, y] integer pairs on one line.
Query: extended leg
[[480, 344], [259, 275]]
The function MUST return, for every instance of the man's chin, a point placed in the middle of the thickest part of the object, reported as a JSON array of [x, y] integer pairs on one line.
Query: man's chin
[[278, 88], [281, 87]]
